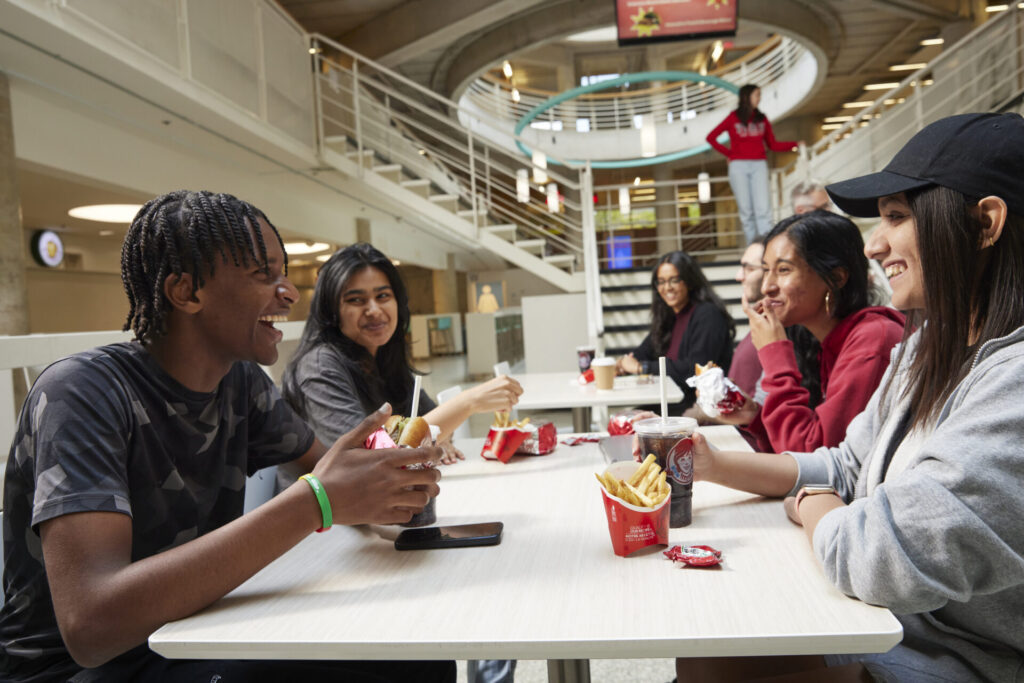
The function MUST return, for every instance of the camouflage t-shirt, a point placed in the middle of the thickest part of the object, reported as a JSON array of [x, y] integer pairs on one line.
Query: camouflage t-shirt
[[109, 430]]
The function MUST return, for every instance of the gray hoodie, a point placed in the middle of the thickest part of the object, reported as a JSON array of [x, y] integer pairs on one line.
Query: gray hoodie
[[941, 543]]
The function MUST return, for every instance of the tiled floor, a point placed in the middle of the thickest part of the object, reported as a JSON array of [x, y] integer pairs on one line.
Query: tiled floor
[[446, 371]]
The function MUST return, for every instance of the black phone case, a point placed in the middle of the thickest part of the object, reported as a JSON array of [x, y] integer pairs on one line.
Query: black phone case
[[434, 537]]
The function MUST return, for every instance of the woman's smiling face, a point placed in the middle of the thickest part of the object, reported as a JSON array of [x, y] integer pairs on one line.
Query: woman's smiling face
[[369, 310], [671, 288], [894, 244], [791, 288]]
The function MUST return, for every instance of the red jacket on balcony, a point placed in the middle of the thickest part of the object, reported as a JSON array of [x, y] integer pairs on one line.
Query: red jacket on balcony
[[748, 139]]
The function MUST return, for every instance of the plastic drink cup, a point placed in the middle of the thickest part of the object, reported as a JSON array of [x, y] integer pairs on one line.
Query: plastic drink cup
[[604, 372], [671, 441], [585, 356]]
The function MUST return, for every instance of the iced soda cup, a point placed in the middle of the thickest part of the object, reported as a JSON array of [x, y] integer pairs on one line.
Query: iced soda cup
[[671, 441], [585, 356]]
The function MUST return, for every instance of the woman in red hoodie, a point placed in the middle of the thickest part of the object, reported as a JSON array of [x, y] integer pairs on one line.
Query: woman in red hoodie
[[820, 377], [749, 131]]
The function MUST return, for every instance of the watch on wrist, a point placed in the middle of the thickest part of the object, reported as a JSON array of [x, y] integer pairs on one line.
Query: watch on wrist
[[813, 490]]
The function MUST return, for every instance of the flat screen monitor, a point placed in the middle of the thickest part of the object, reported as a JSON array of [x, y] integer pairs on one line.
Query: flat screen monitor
[[651, 21]]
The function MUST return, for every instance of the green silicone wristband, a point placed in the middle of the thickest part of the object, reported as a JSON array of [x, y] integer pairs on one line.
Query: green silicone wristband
[[321, 497]]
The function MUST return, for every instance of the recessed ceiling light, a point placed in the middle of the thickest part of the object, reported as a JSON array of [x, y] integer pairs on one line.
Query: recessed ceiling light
[[597, 35], [858, 105], [907, 67], [932, 41], [832, 126], [296, 248], [106, 213], [838, 119], [880, 86], [106, 233], [506, 68], [395, 262], [323, 257]]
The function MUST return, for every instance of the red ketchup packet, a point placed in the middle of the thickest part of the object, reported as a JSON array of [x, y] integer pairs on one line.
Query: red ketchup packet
[[379, 439], [581, 438], [540, 440], [586, 377], [694, 555], [502, 442]]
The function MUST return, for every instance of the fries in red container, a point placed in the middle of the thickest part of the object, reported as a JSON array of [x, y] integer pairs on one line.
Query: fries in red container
[[636, 503]]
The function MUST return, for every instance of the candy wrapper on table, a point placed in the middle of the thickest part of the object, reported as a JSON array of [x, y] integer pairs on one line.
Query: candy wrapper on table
[[632, 527], [502, 442], [716, 393], [541, 440]]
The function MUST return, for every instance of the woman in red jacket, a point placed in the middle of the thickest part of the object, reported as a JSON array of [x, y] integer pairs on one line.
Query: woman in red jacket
[[749, 131], [815, 278]]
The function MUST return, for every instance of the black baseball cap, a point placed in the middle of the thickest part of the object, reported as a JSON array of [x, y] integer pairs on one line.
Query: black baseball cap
[[975, 154]]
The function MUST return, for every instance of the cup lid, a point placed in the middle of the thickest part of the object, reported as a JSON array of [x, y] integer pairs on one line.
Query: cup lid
[[668, 426], [603, 360]]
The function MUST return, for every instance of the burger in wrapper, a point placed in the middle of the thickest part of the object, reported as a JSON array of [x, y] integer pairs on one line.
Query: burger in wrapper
[[716, 393]]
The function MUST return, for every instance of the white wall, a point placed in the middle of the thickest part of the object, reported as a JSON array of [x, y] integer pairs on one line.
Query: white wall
[[553, 326]]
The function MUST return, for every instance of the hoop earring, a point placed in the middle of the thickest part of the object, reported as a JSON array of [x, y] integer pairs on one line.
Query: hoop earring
[[828, 303]]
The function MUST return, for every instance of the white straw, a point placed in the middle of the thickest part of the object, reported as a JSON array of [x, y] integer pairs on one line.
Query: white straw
[[664, 397], [416, 396]]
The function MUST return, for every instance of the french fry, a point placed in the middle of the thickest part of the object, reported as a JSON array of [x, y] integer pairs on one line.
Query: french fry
[[641, 471], [645, 501], [652, 475]]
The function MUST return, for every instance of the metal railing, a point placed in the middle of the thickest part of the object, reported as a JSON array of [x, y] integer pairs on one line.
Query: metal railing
[[617, 110], [365, 108], [664, 216], [984, 71]]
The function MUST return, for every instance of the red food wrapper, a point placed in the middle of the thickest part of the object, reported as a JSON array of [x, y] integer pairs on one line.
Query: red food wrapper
[[502, 442], [581, 438], [694, 555], [379, 439], [586, 377], [717, 394], [541, 440], [622, 423], [632, 527]]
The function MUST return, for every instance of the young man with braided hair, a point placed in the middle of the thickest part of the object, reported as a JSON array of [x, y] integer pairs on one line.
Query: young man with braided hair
[[126, 479]]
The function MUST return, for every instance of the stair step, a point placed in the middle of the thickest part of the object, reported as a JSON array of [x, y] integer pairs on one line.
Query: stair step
[[504, 231], [367, 157], [533, 246], [392, 172], [420, 186], [446, 201], [560, 259]]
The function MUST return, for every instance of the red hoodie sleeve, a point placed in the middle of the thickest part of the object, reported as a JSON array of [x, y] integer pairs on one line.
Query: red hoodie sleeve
[[790, 423], [712, 137], [773, 144]]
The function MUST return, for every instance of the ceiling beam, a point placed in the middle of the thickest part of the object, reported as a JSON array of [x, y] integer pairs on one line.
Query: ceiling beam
[[419, 26]]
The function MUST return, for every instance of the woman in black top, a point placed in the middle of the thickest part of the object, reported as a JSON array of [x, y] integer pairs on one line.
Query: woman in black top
[[689, 325]]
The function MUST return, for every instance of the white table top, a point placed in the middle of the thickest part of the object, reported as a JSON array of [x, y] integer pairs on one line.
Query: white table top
[[542, 390], [553, 589]]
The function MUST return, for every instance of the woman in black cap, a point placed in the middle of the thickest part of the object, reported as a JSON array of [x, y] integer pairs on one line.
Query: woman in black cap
[[920, 508]]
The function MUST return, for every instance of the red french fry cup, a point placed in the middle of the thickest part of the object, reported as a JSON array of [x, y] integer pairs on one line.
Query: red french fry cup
[[632, 527], [502, 442]]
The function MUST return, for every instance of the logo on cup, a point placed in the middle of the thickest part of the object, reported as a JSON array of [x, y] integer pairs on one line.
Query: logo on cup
[[679, 461]]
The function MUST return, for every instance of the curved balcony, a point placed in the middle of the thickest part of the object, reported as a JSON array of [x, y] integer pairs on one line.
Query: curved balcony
[[637, 127]]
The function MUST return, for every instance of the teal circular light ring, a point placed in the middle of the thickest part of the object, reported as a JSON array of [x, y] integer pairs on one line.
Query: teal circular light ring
[[614, 83]]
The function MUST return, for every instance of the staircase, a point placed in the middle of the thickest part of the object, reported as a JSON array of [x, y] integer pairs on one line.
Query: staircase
[[626, 302], [405, 145]]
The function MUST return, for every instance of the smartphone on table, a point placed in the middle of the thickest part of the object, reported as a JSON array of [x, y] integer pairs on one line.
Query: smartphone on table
[[458, 536]]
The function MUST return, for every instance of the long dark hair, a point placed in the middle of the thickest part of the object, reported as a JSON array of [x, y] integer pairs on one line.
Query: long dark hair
[[662, 316], [970, 297], [747, 111], [829, 243], [384, 377]]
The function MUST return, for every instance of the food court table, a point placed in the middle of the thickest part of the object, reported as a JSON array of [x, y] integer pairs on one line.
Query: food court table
[[543, 390], [551, 590]]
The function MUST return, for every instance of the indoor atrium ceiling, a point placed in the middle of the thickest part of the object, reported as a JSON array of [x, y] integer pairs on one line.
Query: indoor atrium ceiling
[[444, 44]]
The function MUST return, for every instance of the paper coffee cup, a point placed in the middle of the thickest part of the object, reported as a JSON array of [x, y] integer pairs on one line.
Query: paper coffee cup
[[604, 372]]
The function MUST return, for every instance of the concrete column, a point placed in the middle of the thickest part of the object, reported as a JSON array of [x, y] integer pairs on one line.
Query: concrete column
[[446, 288], [13, 295], [665, 211]]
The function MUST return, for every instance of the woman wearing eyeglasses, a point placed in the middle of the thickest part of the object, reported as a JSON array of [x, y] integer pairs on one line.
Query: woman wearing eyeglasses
[[689, 324]]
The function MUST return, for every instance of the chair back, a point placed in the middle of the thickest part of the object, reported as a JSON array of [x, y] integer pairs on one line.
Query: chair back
[[462, 431]]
